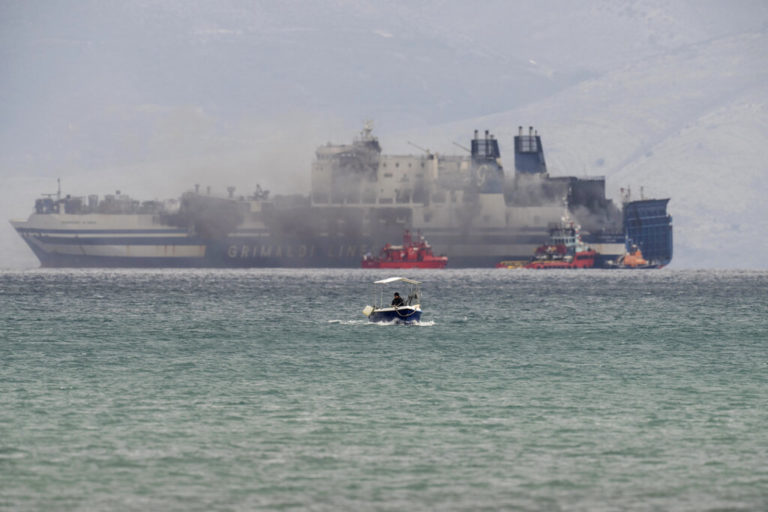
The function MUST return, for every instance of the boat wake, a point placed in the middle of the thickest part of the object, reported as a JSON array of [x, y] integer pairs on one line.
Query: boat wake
[[428, 323]]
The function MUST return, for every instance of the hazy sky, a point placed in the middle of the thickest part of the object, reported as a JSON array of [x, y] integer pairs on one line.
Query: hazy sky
[[94, 84]]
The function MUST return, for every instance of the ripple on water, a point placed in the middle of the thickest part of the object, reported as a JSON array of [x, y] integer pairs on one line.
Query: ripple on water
[[251, 389]]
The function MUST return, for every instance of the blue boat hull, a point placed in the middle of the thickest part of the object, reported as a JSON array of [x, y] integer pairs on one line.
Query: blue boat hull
[[403, 315]]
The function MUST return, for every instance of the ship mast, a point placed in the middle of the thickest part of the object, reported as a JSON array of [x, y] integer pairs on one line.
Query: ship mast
[[566, 218], [427, 151], [465, 148]]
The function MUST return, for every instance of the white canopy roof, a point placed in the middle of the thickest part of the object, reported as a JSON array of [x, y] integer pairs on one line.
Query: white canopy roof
[[396, 279]]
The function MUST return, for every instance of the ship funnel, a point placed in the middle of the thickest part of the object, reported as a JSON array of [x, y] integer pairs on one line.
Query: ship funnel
[[487, 174], [529, 153]]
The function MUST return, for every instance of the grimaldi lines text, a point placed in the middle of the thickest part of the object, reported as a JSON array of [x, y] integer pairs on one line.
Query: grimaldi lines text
[[299, 251]]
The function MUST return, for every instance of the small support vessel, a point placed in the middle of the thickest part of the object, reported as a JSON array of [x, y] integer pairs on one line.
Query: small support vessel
[[564, 250], [634, 259], [401, 310], [508, 264], [414, 253]]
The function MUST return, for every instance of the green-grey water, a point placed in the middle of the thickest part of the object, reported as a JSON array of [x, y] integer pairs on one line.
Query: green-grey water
[[268, 389]]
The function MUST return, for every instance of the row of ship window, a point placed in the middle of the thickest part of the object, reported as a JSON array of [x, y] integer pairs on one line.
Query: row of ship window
[[383, 164]]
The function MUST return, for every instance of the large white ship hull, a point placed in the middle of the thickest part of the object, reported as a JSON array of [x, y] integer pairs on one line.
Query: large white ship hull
[[61, 240]]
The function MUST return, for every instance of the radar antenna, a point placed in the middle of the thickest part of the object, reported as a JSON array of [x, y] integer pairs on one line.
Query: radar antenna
[[57, 193], [365, 133]]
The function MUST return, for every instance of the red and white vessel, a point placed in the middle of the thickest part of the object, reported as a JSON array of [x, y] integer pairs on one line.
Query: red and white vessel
[[564, 250], [414, 253]]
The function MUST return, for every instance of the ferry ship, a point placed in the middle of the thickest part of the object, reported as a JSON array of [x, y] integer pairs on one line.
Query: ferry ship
[[469, 208]]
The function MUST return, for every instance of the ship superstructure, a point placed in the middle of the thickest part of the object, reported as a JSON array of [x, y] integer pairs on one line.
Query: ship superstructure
[[467, 206]]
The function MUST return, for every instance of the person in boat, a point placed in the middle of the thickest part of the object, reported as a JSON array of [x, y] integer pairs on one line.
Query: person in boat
[[398, 300]]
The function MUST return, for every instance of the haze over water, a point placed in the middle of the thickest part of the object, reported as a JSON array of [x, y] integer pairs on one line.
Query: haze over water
[[268, 389]]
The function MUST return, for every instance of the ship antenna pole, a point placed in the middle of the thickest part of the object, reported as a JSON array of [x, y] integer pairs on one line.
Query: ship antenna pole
[[462, 147], [58, 192], [419, 147]]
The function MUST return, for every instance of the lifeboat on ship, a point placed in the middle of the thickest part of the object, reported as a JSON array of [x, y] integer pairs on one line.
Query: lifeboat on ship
[[414, 253]]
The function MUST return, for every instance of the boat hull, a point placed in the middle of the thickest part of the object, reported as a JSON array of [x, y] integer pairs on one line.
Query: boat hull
[[580, 260], [554, 266], [404, 264], [127, 240], [162, 246], [401, 315]]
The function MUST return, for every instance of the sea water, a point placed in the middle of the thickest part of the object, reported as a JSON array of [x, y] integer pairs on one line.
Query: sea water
[[268, 389]]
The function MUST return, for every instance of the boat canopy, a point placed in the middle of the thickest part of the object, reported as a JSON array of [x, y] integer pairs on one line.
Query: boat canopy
[[396, 279]]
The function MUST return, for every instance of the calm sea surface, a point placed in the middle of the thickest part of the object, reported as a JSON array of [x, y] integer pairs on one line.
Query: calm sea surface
[[268, 389]]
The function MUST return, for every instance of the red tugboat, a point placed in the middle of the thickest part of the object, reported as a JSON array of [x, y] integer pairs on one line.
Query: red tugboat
[[414, 253], [565, 249]]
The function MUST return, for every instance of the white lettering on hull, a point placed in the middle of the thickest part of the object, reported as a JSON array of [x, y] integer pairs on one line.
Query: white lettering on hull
[[292, 251]]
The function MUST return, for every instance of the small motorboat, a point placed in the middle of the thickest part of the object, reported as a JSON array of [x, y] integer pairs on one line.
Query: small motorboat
[[400, 309]]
